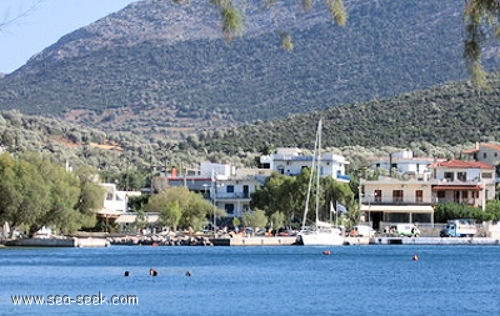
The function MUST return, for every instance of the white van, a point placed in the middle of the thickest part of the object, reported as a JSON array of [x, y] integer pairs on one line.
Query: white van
[[409, 230], [364, 231]]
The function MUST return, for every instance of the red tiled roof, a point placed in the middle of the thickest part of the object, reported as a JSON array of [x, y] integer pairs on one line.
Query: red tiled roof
[[492, 146], [462, 164], [470, 151], [478, 146]]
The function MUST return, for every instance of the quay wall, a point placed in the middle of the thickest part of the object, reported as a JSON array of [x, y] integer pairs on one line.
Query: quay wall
[[434, 241], [276, 241]]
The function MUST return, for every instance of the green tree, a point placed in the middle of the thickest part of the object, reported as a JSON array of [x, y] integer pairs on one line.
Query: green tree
[[34, 197], [138, 203], [236, 222], [493, 209], [64, 193], [446, 211], [34, 192], [170, 210], [280, 193], [91, 196], [254, 219], [194, 209], [140, 221], [277, 220]]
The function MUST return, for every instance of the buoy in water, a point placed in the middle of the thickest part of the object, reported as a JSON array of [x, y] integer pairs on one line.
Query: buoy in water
[[415, 258], [153, 272], [188, 274], [126, 274], [154, 245], [327, 252]]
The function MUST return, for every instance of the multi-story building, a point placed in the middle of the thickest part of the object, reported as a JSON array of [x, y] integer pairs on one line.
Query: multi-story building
[[487, 153], [411, 200], [391, 200], [468, 182], [291, 161], [404, 162], [228, 188]]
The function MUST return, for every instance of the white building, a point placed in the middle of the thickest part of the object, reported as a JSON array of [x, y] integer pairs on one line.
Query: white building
[[229, 188], [404, 162], [469, 182], [291, 162], [390, 200], [115, 203], [487, 153], [115, 200]]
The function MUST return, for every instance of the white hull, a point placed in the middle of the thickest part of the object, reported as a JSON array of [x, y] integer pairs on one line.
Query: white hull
[[320, 238]]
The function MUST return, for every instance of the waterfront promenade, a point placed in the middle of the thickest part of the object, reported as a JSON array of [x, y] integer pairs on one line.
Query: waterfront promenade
[[237, 241]]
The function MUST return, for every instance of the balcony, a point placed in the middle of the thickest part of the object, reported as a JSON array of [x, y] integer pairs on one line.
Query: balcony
[[343, 177], [232, 196]]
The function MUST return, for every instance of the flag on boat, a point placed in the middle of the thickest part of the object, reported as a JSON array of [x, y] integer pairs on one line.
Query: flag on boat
[[341, 208]]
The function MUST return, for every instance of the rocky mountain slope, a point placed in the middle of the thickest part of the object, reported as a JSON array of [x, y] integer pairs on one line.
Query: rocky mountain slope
[[162, 69]]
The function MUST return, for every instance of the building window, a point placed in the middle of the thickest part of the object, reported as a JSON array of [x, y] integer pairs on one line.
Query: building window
[[419, 196], [229, 208], [487, 175], [441, 194], [377, 195], [449, 176], [230, 189], [485, 155], [397, 196], [462, 176]]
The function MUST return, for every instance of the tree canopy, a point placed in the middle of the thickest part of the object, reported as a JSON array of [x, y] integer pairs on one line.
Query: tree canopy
[[180, 207], [35, 192], [287, 195]]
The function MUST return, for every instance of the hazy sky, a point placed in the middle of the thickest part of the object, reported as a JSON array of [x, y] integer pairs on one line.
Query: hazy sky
[[45, 23]]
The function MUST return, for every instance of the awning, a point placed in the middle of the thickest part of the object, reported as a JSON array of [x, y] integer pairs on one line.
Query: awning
[[457, 188], [131, 218], [109, 213], [398, 208]]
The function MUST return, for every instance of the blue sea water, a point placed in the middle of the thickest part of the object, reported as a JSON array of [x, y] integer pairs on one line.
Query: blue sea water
[[287, 280]]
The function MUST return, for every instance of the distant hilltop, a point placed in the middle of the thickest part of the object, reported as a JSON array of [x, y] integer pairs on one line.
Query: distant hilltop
[[163, 68]]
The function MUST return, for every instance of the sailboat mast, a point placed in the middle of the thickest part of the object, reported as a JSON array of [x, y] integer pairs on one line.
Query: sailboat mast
[[318, 169], [309, 186]]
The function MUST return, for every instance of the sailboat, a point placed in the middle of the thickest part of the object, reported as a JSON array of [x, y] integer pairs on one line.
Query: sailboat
[[320, 233]]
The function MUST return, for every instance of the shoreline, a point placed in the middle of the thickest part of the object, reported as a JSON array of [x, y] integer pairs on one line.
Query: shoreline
[[203, 241]]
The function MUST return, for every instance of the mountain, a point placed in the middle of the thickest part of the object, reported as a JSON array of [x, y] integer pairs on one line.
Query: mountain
[[162, 69], [445, 115]]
